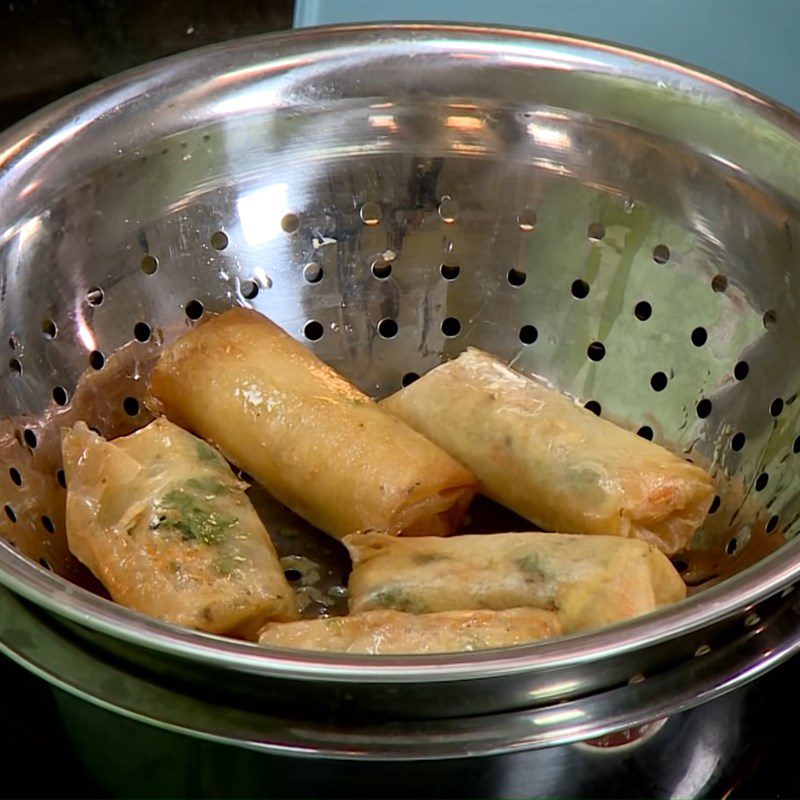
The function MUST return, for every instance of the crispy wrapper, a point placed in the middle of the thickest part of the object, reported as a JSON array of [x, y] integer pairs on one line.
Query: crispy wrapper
[[317, 443], [589, 581], [397, 633], [557, 464], [163, 523]]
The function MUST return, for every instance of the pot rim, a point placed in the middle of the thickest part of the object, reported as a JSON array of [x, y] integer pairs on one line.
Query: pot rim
[[67, 666]]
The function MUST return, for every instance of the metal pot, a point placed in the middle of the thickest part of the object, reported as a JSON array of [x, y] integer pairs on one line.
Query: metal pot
[[139, 738]]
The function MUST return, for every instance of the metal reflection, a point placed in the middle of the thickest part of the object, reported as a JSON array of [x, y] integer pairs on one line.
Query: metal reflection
[[261, 211]]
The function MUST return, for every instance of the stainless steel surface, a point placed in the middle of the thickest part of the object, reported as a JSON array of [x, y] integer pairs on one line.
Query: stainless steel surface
[[700, 753], [528, 193], [52, 653]]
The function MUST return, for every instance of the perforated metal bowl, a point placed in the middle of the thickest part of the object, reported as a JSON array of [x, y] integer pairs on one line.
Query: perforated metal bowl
[[625, 226]]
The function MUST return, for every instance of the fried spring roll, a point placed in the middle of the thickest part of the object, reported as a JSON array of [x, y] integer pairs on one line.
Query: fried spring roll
[[317, 443], [161, 520], [398, 633], [590, 581], [551, 461]]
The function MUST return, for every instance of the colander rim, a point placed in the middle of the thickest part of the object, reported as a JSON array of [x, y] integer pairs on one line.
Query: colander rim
[[26, 129], [735, 595]]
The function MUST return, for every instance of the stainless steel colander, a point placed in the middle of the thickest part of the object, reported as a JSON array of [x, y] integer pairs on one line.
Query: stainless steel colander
[[625, 226]]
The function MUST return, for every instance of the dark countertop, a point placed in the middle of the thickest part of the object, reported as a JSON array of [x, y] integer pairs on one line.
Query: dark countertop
[[32, 726], [51, 47]]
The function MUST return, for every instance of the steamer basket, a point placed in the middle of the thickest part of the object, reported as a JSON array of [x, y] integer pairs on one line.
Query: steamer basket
[[625, 226]]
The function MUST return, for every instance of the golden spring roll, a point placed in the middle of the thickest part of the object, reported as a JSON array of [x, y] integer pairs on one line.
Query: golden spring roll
[[590, 581], [161, 520], [317, 443], [398, 633], [557, 464]]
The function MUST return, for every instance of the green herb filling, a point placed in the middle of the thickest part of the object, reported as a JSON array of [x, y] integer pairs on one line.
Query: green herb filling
[[193, 517]]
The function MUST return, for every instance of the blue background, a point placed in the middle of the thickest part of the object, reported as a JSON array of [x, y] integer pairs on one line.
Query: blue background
[[754, 42]]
